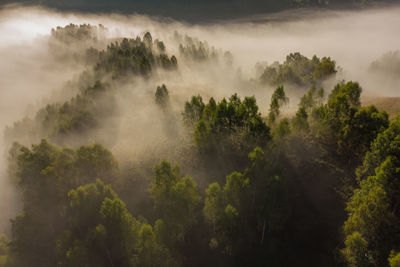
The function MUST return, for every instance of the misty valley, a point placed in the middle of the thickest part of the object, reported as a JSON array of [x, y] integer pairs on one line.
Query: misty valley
[[130, 140]]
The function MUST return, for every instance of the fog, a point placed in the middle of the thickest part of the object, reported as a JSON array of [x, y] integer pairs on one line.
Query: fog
[[30, 76]]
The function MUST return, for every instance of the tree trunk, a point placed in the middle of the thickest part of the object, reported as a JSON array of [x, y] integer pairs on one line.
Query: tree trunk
[[263, 233], [109, 258]]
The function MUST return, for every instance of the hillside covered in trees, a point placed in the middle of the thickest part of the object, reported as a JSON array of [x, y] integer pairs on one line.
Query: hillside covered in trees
[[125, 168]]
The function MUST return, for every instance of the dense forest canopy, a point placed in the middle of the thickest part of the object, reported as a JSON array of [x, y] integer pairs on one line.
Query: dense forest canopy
[[137, 160]]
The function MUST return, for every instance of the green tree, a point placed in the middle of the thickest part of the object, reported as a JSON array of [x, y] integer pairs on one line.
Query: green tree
[[176, 200], [344, 128], [300, 121], [150, 252], [4, 251], [45, 174], [394, 259], [299, 70], [373, 216], [193, 110], [213, 204], [356, 252], [162, 97], [228, 129], [386, 144], [278, 99], [101, 231], [95, 162]]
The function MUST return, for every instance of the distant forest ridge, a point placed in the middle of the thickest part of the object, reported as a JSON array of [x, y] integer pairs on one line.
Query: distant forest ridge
[[193, 10]]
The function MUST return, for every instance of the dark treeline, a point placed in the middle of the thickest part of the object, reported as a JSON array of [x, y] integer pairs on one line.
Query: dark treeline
[[193, 10], [319, 187]]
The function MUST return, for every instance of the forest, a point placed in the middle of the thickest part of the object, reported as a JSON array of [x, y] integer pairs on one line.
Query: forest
[[136, 160]]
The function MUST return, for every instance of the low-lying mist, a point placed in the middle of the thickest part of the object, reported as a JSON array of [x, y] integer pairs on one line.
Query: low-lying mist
[[34, 73]]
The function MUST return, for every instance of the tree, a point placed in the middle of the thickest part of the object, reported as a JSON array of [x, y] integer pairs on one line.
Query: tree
[[4, 251], [235, 189], [213, 204], [45, 174], [346, 129], [176, 200], [356, 252], [299, 70], [386, 144], [278, 99], [95, 162], [373, 217], [101, 231], [147, 39], [193, 110], [300, 121], [162, 97], [228, 129], [394, 259], [150, 251]]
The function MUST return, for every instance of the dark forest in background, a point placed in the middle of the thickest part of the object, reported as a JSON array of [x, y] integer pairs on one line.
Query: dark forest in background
[[194, 10]]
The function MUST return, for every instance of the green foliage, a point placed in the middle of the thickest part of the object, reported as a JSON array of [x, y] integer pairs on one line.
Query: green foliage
[[162, 97], [358, 134], [394, 259], [176, 201], [193, 50], [248, 203], [45, 174], [132, 56], [373, 216], [299, 70], [197, 51], [92, 107], [311, 99], [308, 106], [77, 43], [387, 144], [278, 99], [73, 33], [345, 127], [300, 121], [150, 252], [193, 110], [4, 250], [101, 231], [278, 197], [356, 252], [95, 162], [226, 127], [82, 115], [235, 188], [213, 204], [49, 167]]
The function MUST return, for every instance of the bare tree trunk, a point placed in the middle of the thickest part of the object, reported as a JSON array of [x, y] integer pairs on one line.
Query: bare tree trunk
[[263, 233], [109, 258], [214, 227]]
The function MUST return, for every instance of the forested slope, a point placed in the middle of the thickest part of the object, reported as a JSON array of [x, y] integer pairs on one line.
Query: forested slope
[[235, 186]]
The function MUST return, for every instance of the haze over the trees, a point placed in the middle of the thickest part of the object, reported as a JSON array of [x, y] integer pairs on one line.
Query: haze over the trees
[[142, 157]]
